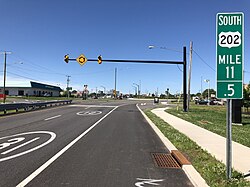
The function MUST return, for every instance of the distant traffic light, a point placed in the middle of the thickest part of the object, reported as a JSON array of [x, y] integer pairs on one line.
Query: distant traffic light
[[99, 59], [66, 58]]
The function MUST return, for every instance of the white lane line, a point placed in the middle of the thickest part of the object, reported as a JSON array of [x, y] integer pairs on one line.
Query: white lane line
[[57, 155], [17, 147], [52, 117]]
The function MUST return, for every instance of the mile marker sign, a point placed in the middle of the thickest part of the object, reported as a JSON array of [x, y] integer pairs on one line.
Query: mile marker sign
[[230, 39]]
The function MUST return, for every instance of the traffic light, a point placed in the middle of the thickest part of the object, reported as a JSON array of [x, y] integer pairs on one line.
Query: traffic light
[[66, 58], [99, 59]]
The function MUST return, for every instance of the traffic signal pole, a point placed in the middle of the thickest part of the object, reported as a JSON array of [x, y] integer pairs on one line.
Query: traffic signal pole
[[184, 80], [184, 63]]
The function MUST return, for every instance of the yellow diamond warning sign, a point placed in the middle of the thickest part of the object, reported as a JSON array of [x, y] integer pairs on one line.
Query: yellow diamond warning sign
[[81, 59]]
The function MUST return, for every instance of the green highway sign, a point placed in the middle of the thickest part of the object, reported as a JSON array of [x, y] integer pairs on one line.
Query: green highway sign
[[230, 41]]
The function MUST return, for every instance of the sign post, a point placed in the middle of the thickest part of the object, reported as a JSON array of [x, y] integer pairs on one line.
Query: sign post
[[229, 43]]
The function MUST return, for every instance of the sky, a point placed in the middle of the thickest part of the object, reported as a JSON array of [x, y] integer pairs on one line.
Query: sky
[[39, 33]]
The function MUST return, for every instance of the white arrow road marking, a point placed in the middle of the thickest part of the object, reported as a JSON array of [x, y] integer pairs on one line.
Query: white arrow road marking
[[52, 137], [88, 113], [10, 142], [53, 117], [17, 147], [148, 181]]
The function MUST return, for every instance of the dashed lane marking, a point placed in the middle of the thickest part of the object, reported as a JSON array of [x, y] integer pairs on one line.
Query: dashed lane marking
[[52, 117]]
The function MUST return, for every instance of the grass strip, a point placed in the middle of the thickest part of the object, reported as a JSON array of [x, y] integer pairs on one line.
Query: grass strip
[[213, 171], [213, 118]]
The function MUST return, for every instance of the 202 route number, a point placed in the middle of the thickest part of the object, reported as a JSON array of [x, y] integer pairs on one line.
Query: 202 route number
[[230, 39]]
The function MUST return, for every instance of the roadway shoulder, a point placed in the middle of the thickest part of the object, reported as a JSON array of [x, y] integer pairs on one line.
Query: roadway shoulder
[[190, 171]]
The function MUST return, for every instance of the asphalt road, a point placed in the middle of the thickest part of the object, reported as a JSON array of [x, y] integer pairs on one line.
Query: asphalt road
[[102, 144]]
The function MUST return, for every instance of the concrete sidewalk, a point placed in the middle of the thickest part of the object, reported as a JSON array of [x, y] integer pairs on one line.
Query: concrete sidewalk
[[209, 141]]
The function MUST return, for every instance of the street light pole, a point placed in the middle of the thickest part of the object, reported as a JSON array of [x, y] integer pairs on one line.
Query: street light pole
[[209, 90], [208, 81], [135, 89], [104, 89], [138, 89], [115, 82]]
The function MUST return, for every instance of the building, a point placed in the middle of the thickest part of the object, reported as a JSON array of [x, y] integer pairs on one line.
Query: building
[[36, 89]]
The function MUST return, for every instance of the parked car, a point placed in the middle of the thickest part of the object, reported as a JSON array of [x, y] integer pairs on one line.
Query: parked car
[[217, 102], [202, 102]]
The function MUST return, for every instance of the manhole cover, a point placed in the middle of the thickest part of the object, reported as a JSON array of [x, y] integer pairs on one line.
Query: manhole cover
[[164, 160]]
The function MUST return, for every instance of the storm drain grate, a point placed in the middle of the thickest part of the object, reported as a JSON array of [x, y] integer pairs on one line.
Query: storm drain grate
[[164, 160]]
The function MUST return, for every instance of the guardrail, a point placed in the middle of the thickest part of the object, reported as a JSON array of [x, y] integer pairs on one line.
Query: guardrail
[[31, 106]]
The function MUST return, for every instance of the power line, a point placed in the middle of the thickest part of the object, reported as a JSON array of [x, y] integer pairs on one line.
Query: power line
[[22, 76], [203, 60], [37, 66], [34, 70]]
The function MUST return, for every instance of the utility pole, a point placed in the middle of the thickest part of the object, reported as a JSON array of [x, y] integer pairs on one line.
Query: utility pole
[[68, 85], [189, 73], [4, 76]]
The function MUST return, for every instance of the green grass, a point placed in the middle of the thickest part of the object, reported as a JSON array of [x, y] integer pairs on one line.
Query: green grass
[[11, 111], [213, 171], [213, 118]]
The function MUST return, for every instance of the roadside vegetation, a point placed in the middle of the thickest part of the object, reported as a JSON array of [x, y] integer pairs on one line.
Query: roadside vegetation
[[213, 171], [213, 118]]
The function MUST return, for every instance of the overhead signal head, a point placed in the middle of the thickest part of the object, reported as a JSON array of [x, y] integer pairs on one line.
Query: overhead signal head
[[66, 58], [99, 59]]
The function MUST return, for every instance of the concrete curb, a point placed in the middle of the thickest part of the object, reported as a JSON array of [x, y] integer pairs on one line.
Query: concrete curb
[[190, 171]]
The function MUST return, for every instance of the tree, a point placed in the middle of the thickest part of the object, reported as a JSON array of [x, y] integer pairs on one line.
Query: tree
[[246, 92], [198, 94], [205, 93]]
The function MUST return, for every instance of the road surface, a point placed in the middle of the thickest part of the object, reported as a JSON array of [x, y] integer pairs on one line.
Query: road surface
[[97, 144]]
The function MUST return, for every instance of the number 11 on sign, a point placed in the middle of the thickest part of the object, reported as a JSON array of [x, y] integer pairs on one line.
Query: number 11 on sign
[[230, 71]]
